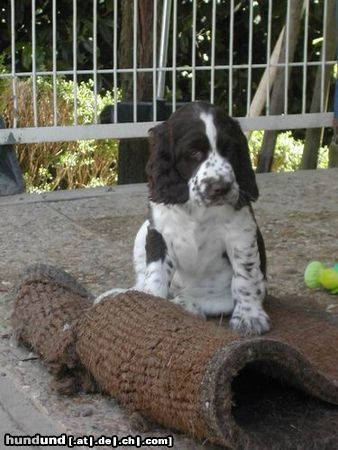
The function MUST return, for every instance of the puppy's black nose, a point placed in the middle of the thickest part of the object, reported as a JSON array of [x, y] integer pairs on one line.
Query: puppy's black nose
[[218, 188]]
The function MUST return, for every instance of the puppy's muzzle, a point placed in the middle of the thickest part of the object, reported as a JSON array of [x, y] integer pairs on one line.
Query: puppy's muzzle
[[217, 189]]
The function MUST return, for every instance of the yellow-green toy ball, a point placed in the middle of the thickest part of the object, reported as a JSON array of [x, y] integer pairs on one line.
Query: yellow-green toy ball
[[329, 279], [311, 275]]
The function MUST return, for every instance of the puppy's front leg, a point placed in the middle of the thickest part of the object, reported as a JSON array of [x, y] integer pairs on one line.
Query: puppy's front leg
[[248, 285], [159, 267]]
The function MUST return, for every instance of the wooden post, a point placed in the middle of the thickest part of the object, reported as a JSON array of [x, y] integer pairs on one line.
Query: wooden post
[[133, 153], [313, 136], [277, 97]]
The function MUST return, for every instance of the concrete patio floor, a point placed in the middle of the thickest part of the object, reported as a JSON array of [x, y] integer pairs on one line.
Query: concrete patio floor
[[90, 233]]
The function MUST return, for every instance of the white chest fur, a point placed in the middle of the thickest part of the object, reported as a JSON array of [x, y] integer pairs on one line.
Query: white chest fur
[[197, 237]]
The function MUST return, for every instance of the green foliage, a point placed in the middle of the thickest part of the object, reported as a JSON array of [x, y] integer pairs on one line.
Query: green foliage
[[43, 20], [288, 152], [3, 81], [85, 98], [62, 165], [84, 163]]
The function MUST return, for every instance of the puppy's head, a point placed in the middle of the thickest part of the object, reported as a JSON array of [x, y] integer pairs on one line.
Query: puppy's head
[[200, 155]]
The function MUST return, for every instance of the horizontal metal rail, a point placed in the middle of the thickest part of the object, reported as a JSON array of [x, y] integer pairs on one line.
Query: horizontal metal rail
[[137, 130], [168, 69]]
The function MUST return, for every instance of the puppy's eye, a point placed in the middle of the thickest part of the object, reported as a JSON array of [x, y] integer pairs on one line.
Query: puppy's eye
[[196, 154]]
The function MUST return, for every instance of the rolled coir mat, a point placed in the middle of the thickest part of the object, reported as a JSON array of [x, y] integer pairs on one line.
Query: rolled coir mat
[[278, 391]]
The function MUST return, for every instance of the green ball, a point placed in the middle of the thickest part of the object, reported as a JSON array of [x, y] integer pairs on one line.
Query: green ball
[[329, 279], [311, 275]]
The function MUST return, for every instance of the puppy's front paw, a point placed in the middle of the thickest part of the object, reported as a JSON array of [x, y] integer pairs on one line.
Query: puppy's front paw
[[109, 294], [250, 323], [189, 305]]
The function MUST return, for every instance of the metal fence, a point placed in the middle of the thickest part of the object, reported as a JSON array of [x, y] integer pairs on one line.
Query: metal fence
[[167, 69]]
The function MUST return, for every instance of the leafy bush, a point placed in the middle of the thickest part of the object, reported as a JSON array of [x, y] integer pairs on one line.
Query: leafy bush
[[288, 152], [61, 165]]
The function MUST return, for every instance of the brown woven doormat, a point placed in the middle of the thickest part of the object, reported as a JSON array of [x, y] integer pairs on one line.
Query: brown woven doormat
[[279, 391]]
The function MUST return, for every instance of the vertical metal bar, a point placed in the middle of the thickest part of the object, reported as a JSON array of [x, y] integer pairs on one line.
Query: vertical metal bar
[[166, 12], [55, 108], [286, 64], [213, 42], [248, 91], [75, 59], [34, 90], [115, 61], [154, 59], [305, 57], [231, 57], [135, 61], [268, 51], [95, 58], [174, 56], [323, 57], [193, 52], [15, 99]]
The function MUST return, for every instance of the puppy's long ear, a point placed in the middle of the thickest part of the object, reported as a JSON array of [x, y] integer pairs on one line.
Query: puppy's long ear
[[165, 183], [244, 174]]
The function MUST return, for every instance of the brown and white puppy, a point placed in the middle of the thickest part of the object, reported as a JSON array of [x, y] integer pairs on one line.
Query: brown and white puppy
[[201, 247]]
